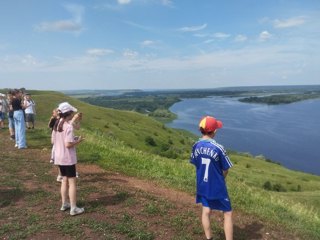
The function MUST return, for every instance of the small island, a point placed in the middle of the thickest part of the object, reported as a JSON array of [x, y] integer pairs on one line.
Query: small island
[[280, 98]]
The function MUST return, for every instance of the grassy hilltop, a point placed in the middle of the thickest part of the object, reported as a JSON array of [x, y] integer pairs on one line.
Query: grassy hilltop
[[137, 145], [135, 130]]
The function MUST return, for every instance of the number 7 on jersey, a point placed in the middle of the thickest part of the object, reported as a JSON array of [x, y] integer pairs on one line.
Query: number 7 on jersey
[[206, 161]]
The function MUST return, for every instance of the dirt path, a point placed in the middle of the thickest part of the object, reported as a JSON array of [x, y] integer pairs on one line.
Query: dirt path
[[117, 206]]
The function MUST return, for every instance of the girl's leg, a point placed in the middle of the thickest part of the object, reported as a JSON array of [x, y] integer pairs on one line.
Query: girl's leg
[[74, 210], [72, 192], [228, 225], [206, 212], [64, 194], [64, 190]]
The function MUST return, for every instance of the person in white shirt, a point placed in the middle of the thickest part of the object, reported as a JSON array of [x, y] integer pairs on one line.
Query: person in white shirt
[[29, 110]]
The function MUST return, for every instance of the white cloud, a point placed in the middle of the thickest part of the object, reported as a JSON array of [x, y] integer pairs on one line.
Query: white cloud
[[128, 53], [291, 22], [192, 28], [29, 60], [264, 36], [155, 45], [68, 25], [137, 25], [240, 38], [221, 35], [200, 35], [106, 6], [116, 6], [17, 63], [124, 1], [63, 25], [262, 62], [99, 52], [209, 40], [147, 43]]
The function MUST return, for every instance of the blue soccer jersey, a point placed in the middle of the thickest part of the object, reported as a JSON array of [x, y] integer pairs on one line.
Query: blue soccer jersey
[[210, 160]]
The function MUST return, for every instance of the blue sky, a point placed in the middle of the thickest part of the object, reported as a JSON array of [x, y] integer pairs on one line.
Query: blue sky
[[158, 44]]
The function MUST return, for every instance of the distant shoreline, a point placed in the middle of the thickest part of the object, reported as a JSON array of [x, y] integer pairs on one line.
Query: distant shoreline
[[280, 98]]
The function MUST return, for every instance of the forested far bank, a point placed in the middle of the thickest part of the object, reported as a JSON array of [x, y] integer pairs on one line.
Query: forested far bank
[[280, 98]]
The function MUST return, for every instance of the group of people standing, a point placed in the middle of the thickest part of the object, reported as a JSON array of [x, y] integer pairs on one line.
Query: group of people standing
[[19, 108]]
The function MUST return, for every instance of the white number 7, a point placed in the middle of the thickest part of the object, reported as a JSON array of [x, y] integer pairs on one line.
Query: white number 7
[[206, 161]]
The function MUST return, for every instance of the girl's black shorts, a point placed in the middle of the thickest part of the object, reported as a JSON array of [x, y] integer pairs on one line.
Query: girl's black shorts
[[68, 171]]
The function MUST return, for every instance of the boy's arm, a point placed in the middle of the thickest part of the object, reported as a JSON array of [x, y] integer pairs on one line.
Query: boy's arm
[[225, 173], [192, 156]]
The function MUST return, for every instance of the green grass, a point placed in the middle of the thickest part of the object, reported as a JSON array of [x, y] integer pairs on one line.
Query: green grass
[[130, 127], [115, 140], [300, 212]]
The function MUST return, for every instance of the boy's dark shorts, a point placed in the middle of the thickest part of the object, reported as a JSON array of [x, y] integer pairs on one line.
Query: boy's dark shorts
[[216, 204], [68, 171]]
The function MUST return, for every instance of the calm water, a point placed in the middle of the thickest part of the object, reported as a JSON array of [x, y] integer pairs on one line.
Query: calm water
[[288, 134]]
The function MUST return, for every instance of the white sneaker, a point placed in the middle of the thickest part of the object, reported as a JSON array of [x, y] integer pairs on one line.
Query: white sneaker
[[76, 211], [59, 178], [16, 145], [51, 160], [65, 206]]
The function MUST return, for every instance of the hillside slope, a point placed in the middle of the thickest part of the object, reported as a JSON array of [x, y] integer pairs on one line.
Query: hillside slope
[[117, 206], [116, 141], [136, 130]]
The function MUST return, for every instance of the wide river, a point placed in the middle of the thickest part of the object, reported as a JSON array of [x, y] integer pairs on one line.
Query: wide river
[[286, 133]]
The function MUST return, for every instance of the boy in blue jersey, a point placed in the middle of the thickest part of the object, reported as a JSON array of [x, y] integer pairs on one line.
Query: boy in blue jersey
[[212, 164]]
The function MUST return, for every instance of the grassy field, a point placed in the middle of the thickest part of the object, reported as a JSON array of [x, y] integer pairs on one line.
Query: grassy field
[[299, 213], [118, 141]]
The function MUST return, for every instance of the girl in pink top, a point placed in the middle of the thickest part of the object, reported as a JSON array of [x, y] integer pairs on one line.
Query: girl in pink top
[[65, 156]]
